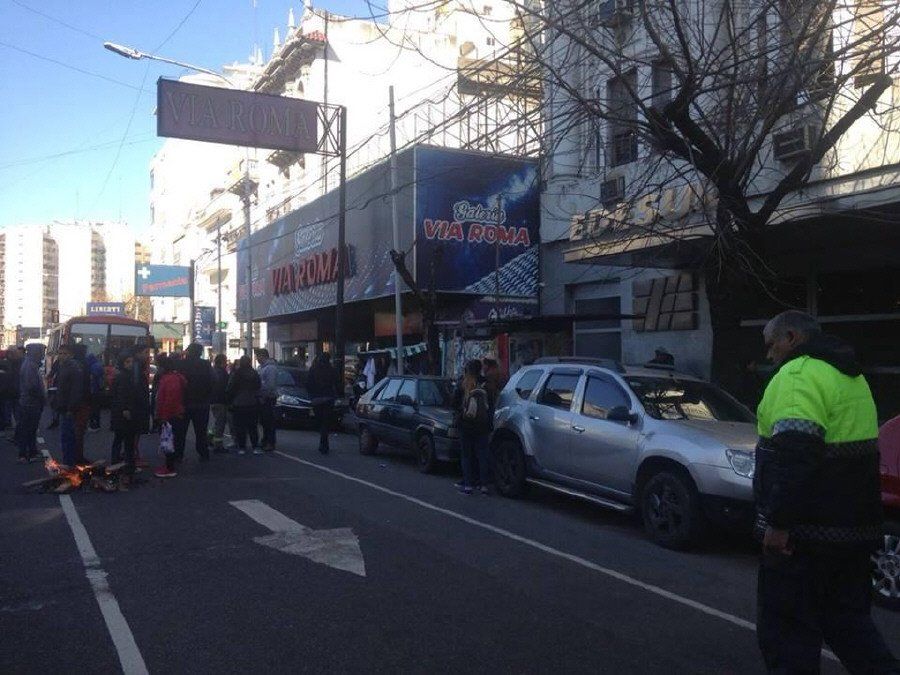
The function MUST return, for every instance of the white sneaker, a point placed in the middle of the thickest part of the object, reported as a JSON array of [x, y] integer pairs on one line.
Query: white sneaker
[[257, 451], [242, 452]]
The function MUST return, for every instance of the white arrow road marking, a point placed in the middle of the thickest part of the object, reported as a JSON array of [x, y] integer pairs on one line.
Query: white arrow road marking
[[338, 548]]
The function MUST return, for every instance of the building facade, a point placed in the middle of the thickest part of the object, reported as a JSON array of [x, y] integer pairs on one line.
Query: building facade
[[627, 231]]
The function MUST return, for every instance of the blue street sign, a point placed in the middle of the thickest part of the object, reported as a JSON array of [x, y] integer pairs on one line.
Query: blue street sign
[[204, 324], [162, 280]]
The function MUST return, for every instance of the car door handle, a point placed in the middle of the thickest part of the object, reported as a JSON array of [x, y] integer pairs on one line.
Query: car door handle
[[580, 430], [534, 417]]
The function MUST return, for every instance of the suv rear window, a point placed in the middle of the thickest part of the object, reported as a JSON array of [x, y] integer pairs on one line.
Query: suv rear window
[[527, 382], [559, 390]]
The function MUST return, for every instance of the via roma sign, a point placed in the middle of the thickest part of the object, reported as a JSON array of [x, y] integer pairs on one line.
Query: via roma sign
[[313, 270], [218, 115]]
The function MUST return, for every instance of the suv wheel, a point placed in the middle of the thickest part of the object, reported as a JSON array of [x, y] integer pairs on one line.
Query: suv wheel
[[509, 468], [425, 453], [368, 444], [886, 570], [670, 507]]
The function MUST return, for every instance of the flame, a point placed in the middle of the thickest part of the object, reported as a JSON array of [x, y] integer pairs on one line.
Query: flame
[[52, 466]]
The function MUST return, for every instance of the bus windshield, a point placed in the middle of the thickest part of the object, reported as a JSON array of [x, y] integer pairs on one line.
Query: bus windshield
[[93, 335]]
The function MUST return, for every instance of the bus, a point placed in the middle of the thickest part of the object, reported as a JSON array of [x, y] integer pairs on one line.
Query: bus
[[104, 336]]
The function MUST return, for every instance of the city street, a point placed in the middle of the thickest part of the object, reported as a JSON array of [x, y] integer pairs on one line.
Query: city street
[[251, 563]]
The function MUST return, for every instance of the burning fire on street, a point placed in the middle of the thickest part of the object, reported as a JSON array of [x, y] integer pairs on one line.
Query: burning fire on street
[[63, 479]]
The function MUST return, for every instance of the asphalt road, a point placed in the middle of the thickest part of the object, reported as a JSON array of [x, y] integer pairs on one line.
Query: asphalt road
[[177, 577]]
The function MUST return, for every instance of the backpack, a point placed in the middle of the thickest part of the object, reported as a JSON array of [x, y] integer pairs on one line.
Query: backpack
[[477, 416]]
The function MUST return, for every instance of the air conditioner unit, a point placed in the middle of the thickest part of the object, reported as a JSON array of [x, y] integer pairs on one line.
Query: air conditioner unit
[[614, 12], [795, 143], [612, 191]]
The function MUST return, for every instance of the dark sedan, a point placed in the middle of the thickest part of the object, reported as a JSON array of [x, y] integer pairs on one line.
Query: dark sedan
[[413, 413], [292, 405]]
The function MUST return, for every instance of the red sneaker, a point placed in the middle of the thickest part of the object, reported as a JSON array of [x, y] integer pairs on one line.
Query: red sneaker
[[163, 472]]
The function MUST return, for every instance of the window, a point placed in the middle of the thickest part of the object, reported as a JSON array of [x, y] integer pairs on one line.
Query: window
[[661, 83], [600, 337], [408, 388], [869, 31], [390, 390], [491, 42], [601, 396], [622, 142], [527, 382], [486, 10], [559, 390], [433, 393]]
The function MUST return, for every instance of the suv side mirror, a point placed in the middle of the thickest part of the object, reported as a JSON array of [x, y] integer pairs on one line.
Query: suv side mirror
[[621, 414], [406, 400]]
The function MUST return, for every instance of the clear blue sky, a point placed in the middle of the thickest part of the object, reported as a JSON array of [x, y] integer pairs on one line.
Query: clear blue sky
[[76, 130]]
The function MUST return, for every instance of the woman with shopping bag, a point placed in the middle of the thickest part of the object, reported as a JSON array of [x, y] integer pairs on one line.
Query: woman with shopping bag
[[170, 386]]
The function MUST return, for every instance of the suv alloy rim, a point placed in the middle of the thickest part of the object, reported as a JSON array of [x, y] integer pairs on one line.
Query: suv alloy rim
[[666, 510], [886, 570]]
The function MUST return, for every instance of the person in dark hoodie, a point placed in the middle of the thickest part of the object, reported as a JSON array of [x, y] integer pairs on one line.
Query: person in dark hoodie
[[129, 410], [95, 377], [198, 374], [219, 402], [83, 411], [818, 500], [31, 403], [321, 384], [243, 393], [14, 366], [69, 394]]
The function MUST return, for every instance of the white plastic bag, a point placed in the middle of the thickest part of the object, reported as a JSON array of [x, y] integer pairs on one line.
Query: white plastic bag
[[166, 439]]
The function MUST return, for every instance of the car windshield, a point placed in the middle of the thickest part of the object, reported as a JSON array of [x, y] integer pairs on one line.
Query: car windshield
[[671, 399]]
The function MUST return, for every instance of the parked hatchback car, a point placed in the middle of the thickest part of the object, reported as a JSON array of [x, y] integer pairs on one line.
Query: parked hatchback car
[[886, 568], [677, 448], [413, 413], [292, 404]]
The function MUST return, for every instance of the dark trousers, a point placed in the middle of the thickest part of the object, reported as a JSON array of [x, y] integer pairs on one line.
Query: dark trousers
[[29, 418], [67, 438], [82, 414], [267, 422], [323, 413], [475, 457], [199, 417], [245, 424], [805, 599], [125, 443]]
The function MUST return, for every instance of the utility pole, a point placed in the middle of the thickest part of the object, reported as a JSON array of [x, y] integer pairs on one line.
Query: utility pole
[[342, 254], [395, 219], [497, 257], [220, 334], [191, 298], [245, 197]]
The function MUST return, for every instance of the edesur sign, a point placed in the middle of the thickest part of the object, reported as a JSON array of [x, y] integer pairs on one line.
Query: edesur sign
[[217, 115]]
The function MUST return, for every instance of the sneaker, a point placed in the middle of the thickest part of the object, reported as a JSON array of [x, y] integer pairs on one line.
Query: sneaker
[[466, 490], [459, 485], [485, 490], [93, 430], [257, 451], [163, 472], [242, 452]]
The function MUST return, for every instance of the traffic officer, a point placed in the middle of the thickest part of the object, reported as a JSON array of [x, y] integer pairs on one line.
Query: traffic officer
[[818, 504]]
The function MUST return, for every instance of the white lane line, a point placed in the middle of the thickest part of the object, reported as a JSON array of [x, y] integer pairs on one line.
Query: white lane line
[[619, 576], [123, 639], [268, 517]]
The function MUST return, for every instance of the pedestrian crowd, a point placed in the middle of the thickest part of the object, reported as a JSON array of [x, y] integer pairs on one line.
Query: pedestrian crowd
[[186, 391]]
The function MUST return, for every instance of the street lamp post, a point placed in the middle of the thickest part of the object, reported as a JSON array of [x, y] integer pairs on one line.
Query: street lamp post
[[246, 187]]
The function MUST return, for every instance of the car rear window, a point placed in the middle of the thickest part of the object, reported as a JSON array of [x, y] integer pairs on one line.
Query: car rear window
[[389, 392], [434, 393]]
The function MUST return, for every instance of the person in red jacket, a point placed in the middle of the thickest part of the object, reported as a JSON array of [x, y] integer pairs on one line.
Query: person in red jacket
[[170, 388]]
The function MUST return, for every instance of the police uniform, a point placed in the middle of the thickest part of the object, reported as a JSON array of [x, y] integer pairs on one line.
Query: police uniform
[[817, 477]]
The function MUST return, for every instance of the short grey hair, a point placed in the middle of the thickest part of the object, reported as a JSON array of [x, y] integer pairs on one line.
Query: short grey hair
[[792, 320]]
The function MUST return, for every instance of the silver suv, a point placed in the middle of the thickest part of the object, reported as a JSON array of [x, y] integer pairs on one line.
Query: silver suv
[[678, 449]]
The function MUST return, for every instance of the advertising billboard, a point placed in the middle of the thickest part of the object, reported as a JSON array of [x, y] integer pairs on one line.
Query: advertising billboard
[[465, 242], [100, 308], [218, 115], [171, 281], [204, 325], [448, 230]]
